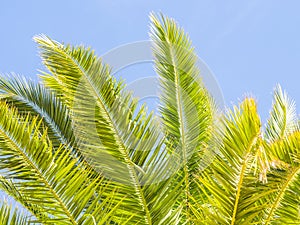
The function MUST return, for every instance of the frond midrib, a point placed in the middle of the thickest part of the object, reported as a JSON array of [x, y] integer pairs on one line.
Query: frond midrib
[[181, 125], [242, 175]]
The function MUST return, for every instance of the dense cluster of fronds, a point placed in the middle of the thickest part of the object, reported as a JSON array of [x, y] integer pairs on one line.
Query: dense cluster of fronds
[[77, 149]]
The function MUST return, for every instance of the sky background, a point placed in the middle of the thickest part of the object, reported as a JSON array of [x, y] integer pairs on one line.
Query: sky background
[[249, 45]]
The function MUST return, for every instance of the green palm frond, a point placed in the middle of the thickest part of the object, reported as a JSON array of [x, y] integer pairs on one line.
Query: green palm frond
[[77, 148], [7, 186], [283, 117], [111, 130], [283, 200], [230, 186], [62, 186], [186, 108], [284, 152], [32, 97], [283, 182]]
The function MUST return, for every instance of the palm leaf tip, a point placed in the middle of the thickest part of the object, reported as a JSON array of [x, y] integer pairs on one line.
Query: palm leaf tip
[[283, 118]]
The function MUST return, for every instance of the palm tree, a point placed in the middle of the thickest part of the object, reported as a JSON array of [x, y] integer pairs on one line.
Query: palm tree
[[76, 148]]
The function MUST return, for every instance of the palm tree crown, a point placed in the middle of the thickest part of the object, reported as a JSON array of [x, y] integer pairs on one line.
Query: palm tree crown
[[76, 148]]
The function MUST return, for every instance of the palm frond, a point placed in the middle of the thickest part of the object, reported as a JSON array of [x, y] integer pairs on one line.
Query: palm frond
[[283, 117], [63, 187], [77, 149], [8, 187], [283, 200], [186, 108], [283, 182], [121, 141], [31, 97], [231, 189]]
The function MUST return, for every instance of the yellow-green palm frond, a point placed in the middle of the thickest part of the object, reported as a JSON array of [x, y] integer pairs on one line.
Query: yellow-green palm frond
[[120, 140], [283, 182], [231, 188], [7, 186], [77, 148], [185, 106], [283, 117], [282, 148], [34, 98], [59, 185]]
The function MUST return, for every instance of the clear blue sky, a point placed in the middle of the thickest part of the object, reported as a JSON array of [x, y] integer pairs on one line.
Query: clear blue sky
[[249, 45]]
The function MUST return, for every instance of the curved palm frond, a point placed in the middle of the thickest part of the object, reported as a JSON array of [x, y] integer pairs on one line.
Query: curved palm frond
[[59, 184], [31, 97], [232, 190], [186, 107], [283, 202], [76, 149], [283, 182], [110, 129], [283, 117], [8, 187]]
